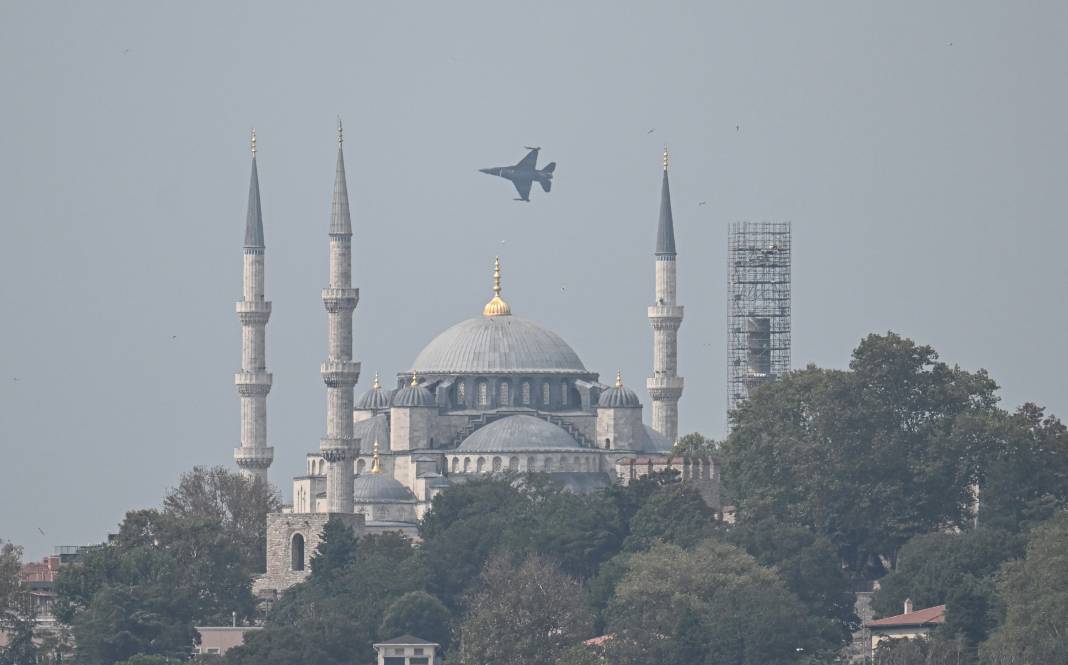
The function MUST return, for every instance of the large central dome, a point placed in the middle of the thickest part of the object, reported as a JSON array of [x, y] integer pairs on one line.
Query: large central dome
[[489, 344]]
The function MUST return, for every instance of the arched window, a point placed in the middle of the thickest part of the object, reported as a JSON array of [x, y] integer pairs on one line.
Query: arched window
[[461, 394], [545, 401], [513, 464], [504, 394], [531, 465], [496, 465], [483, 393], [563, 393], [548, 464], [480, 465], [297, 552], [467, 465], [524, 393], [578, 463], [607, 444], [360, 466]]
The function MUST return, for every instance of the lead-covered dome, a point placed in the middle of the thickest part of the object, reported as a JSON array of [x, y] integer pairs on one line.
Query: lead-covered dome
[[374, 487], [518, 433], [505, 344], [619, 396]]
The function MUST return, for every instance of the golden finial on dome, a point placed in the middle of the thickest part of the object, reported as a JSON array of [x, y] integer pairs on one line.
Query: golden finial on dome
[[376, 385], [415, 380], [619, 378], [253, 141], [665, 158], [497, 306], [375, 467]]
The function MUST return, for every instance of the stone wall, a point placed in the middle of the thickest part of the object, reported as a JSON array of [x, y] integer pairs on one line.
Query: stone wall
[[283, 530]]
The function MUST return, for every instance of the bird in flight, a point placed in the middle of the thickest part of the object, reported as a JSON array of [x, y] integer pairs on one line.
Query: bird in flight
[[651, 130], [701, 203]]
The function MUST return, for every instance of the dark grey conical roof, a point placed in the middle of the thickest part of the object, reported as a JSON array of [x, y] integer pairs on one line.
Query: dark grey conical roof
[[340, 224], [665, 230], [254, 220]]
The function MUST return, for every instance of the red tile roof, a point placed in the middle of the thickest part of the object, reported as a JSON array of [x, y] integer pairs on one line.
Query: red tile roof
[[924, 617]]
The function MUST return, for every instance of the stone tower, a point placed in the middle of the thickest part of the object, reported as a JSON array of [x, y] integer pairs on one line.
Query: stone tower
[[665, 386], [340, 372], [253, 382]]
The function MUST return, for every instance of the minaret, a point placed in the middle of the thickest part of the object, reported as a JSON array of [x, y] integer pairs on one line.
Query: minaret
[[665, 386], [340, 373], [253, 381]]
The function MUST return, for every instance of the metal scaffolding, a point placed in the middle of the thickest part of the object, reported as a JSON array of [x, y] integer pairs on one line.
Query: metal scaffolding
[[758, 301]]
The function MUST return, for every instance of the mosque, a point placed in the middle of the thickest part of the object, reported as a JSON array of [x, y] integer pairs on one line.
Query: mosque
[[493, 393]]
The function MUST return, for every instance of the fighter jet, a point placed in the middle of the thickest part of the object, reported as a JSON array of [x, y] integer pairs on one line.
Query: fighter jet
[[525, 173]]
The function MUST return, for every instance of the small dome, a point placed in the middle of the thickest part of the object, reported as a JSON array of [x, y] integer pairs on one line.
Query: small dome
[[374, 399], [618, 396], [414, 395], [379, 488], [518, 433]]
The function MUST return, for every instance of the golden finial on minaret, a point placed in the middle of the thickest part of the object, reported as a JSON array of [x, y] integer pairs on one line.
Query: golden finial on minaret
[[340, 132], [619, 378], [665, 158], [253, 141], [415, 380], [497, 306], [375, 466], [376, 385]]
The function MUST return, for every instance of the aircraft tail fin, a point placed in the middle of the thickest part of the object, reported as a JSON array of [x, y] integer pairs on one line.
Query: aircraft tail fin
[[549, 168], [546, 184]]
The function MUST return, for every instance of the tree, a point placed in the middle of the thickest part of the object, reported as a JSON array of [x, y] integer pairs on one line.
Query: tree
[[711, 604], [239, 503], [336, 550], [928, 651], [693, 445], [16, 609], [1035, 593], [932, 567], [417, 613], [809, 566], [674, 513], [142, 593], [146, 659], [528, 614], [866, 457]]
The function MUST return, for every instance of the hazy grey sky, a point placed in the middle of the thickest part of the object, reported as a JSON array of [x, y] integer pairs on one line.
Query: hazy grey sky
[[917, 147]]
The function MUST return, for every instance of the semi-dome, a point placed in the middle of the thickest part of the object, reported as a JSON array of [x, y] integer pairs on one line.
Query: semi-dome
[[619, 396], [374, 487], [374, 399], [518, 433], [414, 395], [505, 344], [371, 430]]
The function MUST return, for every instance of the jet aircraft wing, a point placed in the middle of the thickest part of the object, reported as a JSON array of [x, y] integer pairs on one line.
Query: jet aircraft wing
[[529, 161], [523, 187]]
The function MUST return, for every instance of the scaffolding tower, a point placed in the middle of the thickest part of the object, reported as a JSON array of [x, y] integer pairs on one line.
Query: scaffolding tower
[[758, 301]]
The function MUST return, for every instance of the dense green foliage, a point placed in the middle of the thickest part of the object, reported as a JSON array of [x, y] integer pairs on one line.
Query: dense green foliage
[[16, 610], [526, 614], [711, 604], [1035, 593], [166, 570]]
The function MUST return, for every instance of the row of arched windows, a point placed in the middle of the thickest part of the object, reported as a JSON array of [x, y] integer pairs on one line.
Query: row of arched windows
[[506, 396], [532, 464]]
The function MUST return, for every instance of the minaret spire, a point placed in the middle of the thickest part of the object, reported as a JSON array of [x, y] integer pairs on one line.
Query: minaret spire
[[253, 381], [340, 372], [665, 386]]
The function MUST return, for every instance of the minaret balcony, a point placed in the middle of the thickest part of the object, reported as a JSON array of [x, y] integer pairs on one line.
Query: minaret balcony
[[666, 312], [334, 449], [664, 387], [253, 458], [339, 300], [253, 383], [253, 312], [337, 373]]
